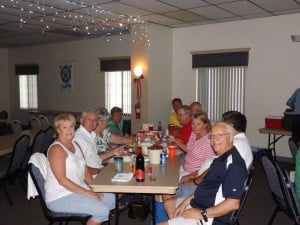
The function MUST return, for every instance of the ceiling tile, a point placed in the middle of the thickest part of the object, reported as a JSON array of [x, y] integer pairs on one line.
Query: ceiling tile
[[185, 16], [150, 5], [276, 5], [186, 4], [241, 8], [163, 20], [124, 9], [212, 12]]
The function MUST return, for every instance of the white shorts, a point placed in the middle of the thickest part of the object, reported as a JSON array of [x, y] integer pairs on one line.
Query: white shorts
[[180, 220]]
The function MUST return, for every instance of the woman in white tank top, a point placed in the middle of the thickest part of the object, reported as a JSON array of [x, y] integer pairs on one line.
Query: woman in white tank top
[[66, 185]]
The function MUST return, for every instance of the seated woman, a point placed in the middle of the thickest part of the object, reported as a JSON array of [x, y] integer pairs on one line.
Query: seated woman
[[66, 185], [106, 141], [198, 149], [115, 122]]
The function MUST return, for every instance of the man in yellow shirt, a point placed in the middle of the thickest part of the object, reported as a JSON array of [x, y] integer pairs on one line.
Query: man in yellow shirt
[[176, 104]]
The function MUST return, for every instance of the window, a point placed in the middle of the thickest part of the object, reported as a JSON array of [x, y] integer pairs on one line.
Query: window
[[221, 89], [221, 80], [28, 91], [118, 90]]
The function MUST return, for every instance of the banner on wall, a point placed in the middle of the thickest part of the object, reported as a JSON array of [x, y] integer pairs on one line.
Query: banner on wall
[[65, 75]]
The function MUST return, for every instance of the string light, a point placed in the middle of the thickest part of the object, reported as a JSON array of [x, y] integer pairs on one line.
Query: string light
[[93, 20]]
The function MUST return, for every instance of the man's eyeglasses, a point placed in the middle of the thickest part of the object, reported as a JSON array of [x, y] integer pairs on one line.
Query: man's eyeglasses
[[218, 136]]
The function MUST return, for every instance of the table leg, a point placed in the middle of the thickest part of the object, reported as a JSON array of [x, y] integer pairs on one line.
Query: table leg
[[153, 209], [117, 213]]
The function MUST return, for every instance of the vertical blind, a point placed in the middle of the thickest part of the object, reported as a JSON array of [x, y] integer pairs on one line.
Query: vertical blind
[[118, 90], [28, 91], [221, 89]]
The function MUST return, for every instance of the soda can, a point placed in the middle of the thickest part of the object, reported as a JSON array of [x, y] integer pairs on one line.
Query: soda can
[[163, 158]]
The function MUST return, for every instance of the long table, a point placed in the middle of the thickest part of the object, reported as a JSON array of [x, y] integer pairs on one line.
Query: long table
[[274, 135], [7, 141], [166, 181]]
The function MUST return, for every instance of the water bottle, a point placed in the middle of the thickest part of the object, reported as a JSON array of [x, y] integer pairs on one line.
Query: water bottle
[[140, 167], [159, 126]]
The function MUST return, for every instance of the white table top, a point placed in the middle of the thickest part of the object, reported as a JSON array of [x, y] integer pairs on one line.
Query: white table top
[[166, 181]]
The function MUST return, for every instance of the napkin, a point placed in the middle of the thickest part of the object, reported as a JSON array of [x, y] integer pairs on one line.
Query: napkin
[[122, 177]]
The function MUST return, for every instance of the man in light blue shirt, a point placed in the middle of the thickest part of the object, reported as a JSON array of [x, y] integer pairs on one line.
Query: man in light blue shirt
[[294, 102]]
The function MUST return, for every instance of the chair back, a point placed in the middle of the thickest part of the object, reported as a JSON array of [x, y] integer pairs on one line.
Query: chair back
[[3, 115], [35, 123], [44, 121], [293, 148], [281, 189], [16, 126], [248, 183], [48, 139], [18, 154], [39, 181], [38, 142]]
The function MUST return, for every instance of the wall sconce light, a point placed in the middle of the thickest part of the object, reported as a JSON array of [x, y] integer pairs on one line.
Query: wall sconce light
[[295, 38], [138, 72]]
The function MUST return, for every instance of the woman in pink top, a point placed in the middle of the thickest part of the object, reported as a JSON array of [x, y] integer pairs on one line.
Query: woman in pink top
[[198, 148]]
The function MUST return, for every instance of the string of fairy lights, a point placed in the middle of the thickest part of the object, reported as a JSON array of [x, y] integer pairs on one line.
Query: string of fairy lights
[[79, 16]]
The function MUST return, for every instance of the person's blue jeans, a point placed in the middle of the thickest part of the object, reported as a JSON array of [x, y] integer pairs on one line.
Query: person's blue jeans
[[77, 203], [185, 190]]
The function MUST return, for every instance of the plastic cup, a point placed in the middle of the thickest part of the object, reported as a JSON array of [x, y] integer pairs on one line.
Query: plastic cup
[[172, 150], [118, 164], [171, 128], [151, 127]]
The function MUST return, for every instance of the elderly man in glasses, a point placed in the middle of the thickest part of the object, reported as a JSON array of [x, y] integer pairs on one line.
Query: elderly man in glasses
[[221, 189]]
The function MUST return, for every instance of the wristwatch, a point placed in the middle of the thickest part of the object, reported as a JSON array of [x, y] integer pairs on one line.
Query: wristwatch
[[204, 215]]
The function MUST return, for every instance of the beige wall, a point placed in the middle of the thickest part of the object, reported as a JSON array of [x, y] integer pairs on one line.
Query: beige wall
[[88, 83], [273, 71]]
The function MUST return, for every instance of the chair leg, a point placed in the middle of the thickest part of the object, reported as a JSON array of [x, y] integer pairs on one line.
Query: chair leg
[[273, 215], [7, 194]]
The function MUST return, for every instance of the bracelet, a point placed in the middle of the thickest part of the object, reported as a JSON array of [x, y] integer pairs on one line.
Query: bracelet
[[194, 181], [204, 215]]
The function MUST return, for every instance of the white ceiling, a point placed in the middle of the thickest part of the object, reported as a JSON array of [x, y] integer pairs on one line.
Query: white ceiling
[[28, 22]]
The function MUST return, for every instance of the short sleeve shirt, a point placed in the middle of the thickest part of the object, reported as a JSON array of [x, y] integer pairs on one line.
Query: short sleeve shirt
[[87, 143], [197, 151], [185, 133], [225, 179], [103, 142], [112, 127]]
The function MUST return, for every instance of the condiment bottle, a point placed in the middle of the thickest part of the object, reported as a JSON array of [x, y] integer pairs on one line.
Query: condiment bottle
[[140, 167]]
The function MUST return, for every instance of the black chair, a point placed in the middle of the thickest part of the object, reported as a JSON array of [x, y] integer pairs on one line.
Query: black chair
[[35, 123], [48, 139], [51, 216], [38, 142], [10, 170], [293, 148], [16, 126], [294, 203], [281, 190], [236, 214], [3, 118], [44, 121]]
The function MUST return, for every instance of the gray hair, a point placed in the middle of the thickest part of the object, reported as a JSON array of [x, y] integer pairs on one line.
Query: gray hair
[[102, 114], [229, 128], [85, 112], [187, 109]]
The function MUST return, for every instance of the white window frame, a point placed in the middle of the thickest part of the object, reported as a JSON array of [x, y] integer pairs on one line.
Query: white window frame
[[118, 90], [28, 91]]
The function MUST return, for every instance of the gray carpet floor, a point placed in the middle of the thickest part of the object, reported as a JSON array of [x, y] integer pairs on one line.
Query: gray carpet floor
[[257, 211]]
